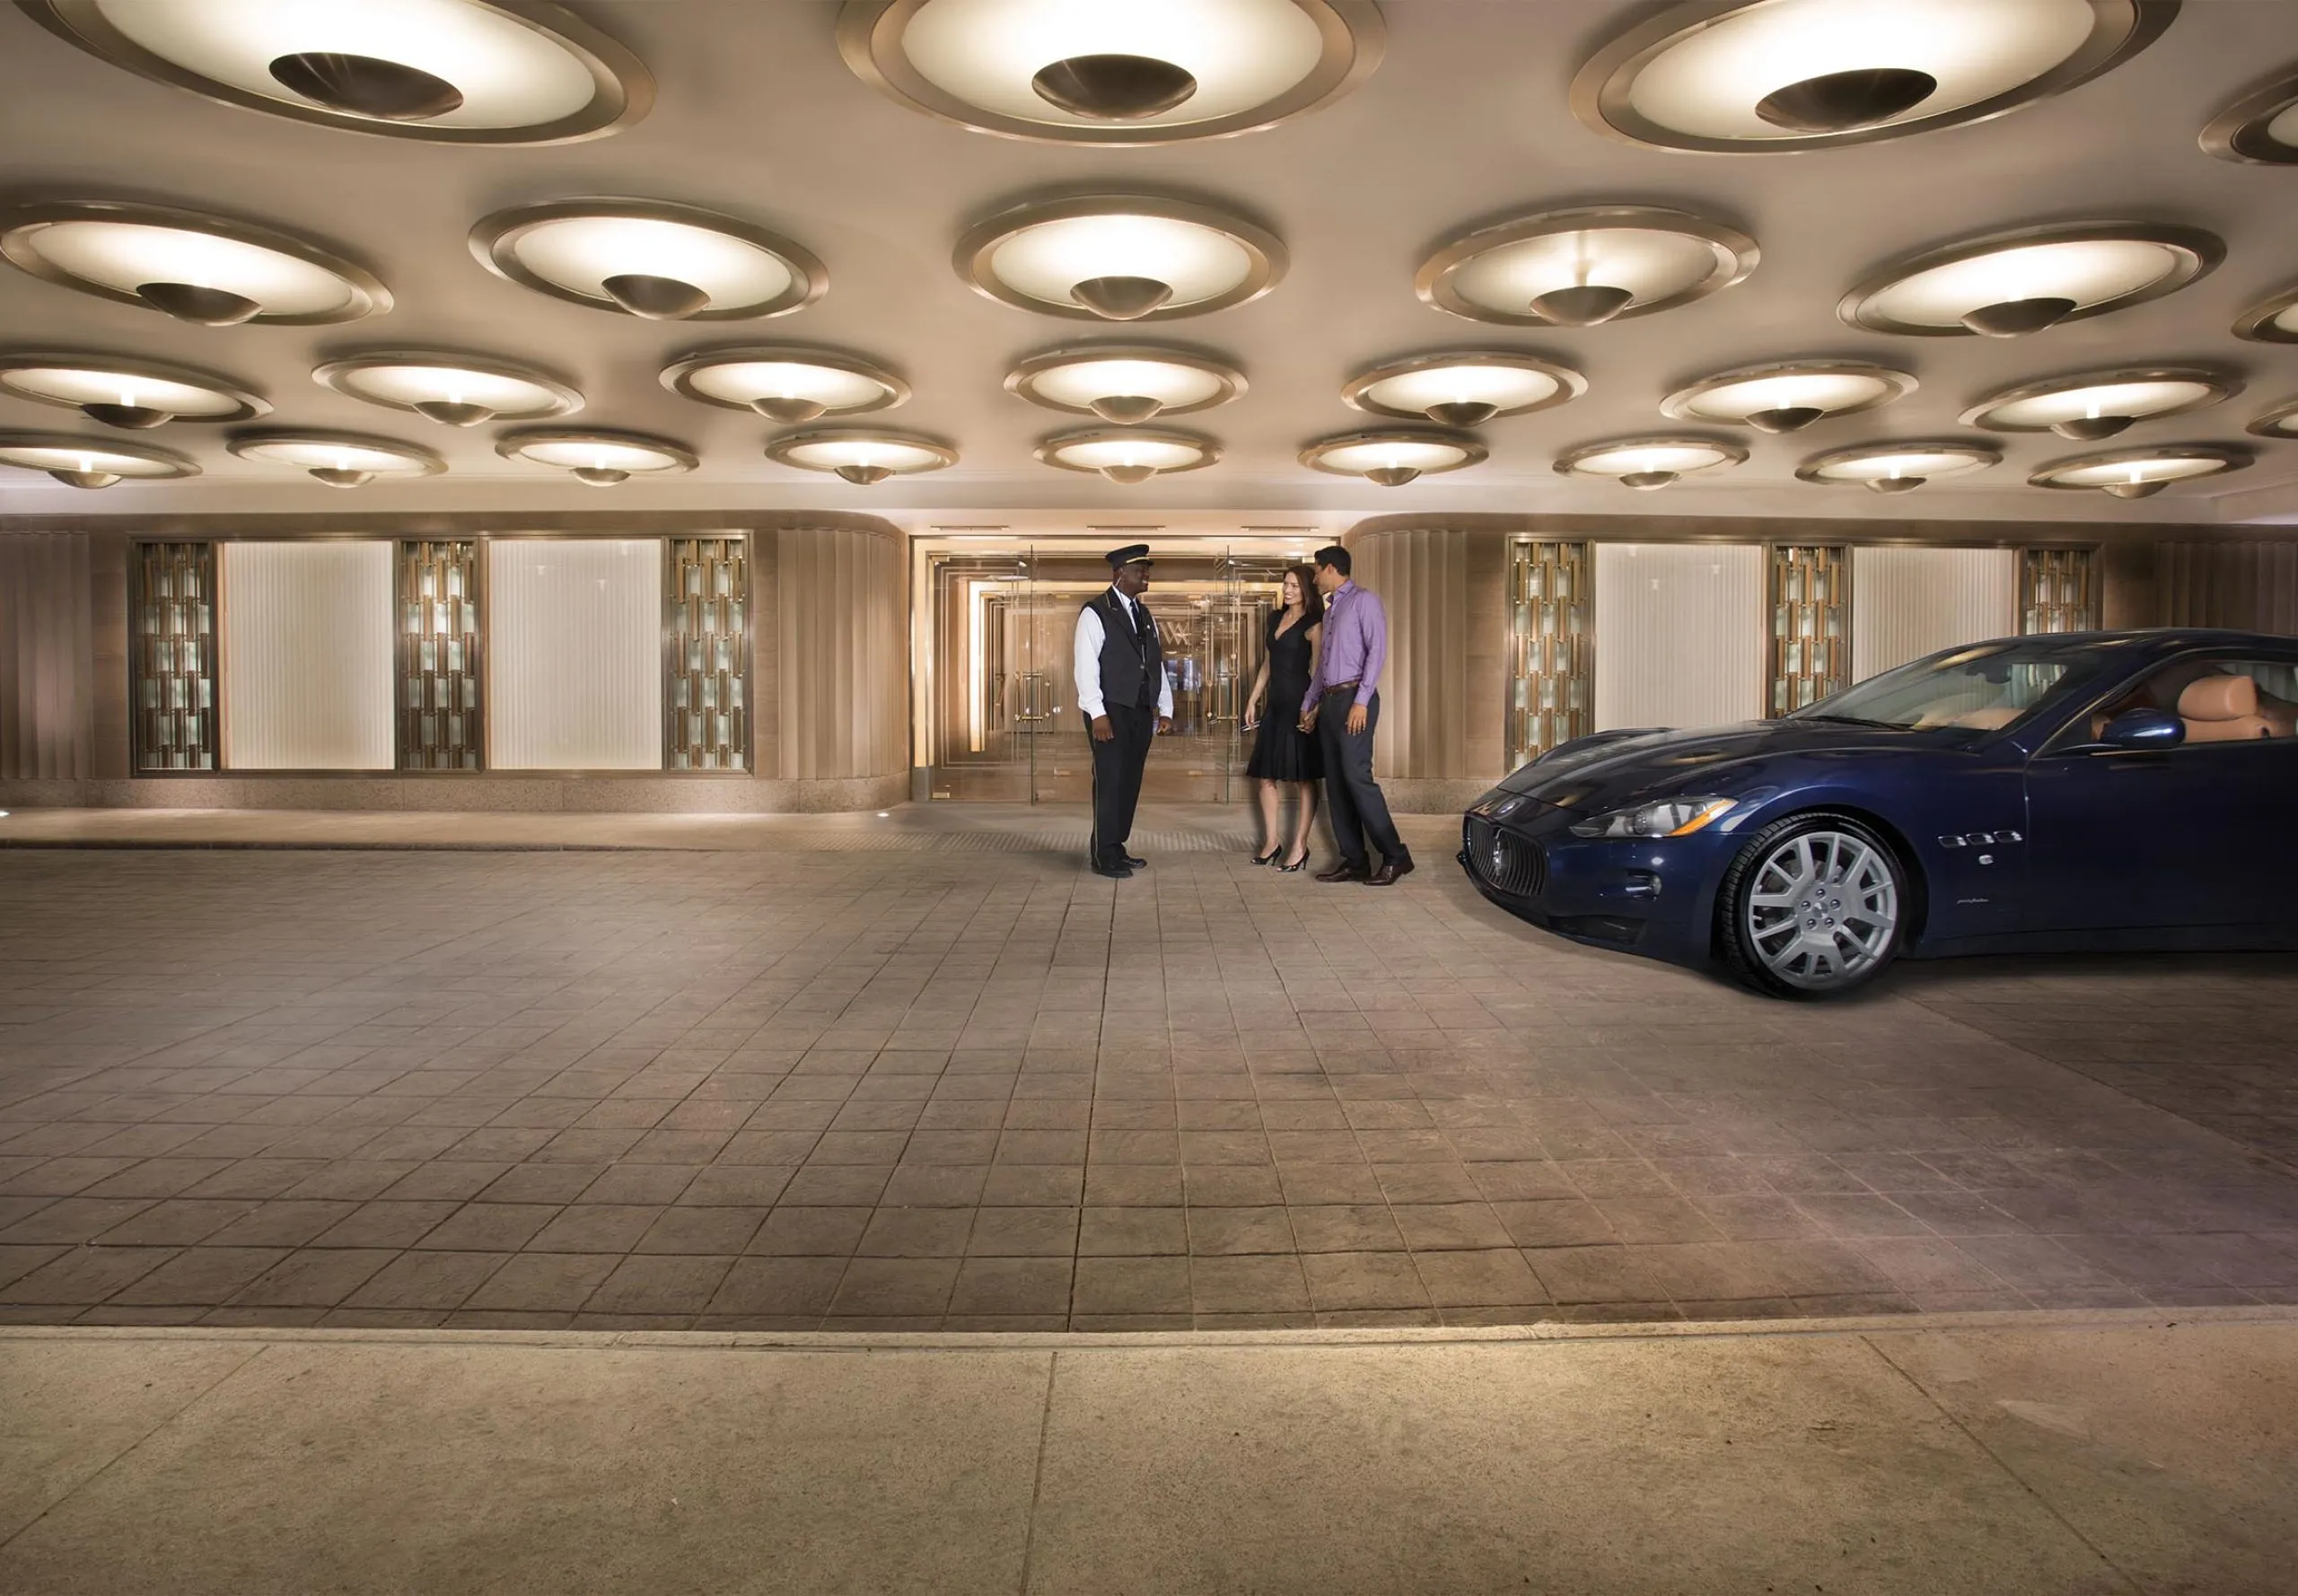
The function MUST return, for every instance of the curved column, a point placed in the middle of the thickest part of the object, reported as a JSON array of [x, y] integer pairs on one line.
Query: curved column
[[840, 703], [1443, 695]]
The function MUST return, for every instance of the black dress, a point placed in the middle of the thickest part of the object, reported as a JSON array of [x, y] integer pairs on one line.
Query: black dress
[[1282, 752]]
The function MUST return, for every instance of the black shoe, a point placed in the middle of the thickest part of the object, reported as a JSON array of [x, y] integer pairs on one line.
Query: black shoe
[[1343, 871], [1116, 873], [1269, 858], [1390, 872], [1134, 863], [1298, 864]]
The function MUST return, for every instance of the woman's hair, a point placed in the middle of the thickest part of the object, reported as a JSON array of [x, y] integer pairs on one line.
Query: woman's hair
[[1312, 602]]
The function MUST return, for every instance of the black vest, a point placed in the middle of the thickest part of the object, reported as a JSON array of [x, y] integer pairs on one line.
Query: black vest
[[1133, 669]]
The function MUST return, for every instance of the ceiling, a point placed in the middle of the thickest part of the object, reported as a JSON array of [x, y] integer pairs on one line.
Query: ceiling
[[1465, 121]]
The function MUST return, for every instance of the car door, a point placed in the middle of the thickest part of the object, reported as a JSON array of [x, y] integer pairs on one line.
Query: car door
[[2186, 837]]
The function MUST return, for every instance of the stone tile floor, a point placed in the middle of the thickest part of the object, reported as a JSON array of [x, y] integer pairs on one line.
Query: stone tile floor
[[905, 1088]]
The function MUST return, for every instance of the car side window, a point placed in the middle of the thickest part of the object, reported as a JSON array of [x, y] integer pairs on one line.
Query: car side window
[[2218, 700]]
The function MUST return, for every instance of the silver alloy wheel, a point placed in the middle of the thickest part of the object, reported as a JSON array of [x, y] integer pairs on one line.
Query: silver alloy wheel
[[1822, 910]]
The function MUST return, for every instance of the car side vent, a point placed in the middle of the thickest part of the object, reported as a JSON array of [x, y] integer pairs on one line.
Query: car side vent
[[1505, 862]]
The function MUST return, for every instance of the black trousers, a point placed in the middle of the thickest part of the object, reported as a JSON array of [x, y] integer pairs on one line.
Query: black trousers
[[1118, 765], [1352, 797]]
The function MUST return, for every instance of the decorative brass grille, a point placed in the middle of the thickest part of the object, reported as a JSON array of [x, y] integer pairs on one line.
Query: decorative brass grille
[[707, 596], [1811, 625], [2056, 592], [175, 656], [1551, 626], [439, 675]]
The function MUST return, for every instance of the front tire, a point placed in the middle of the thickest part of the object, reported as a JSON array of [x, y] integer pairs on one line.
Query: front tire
[[1812, 907]]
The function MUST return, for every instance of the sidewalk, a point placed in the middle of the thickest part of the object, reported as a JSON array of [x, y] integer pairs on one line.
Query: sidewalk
[[2026, 1453]]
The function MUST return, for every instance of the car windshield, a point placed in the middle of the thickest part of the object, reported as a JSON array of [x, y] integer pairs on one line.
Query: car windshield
[[1979, 688]]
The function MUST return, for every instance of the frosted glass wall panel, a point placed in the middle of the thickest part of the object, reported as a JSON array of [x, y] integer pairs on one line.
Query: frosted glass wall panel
[[574, 674], [1680, 634], [306, 656], [1908, 603]]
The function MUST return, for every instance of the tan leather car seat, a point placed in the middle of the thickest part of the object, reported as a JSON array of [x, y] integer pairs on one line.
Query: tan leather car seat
[[2223, 709]]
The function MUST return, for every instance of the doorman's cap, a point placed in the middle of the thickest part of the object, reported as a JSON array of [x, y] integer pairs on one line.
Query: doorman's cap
[[1118, 558]]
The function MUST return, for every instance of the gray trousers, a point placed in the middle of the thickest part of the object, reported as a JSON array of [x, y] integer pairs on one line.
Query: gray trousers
[[1352, 797]]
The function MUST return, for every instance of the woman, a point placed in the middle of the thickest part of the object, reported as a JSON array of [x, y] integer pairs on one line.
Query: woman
[[1283, 754]]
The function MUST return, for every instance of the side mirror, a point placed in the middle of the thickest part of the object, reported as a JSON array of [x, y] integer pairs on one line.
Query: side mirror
[[2143, 729]]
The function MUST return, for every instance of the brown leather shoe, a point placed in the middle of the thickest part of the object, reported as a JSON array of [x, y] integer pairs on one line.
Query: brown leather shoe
[[1343, 871], [1390, 872]]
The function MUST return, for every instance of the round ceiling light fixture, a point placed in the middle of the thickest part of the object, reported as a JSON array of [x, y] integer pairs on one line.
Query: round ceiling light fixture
[[451, 389], [93, 463], [1392, 457], [2092, 406], [1116, 72], [339, 459], [1129, 455], [660, 262], [484, 72], [1125, 383], [2271, 320], [1788, 396], [1111, 257], [786, 383], [599, 458], [207, 270], [1735, 76], [134, 394], [861, 455], [2007, 284], [1897, 468], [1586, 266], [1465, 388], [1648, 463], [2280, 422], [2139, 473], [2261, 127]]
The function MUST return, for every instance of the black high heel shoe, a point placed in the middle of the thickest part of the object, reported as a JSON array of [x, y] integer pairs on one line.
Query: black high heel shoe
[[1300, 863], [1269, 858]]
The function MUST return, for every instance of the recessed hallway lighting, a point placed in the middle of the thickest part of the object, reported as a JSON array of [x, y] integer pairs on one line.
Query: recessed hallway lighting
[[457, 391], [2007, 284], [1392, 457], [1130, 455], [2140, 473], [1125, 383], [339, 459], [1115, 258], [786, 383], [599, 458], [1586, 266], [2090, 407], [1897, 467], [659, 262], [93, 463], [1465, 388], [860, 455], [1788, 396], [1650, 463], [136, 395]]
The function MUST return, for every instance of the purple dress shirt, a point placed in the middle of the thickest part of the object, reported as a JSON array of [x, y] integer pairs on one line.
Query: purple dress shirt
[[1354, 648]]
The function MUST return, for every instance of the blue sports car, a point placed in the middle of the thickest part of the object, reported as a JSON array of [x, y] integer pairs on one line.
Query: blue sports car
[[2087, 790]]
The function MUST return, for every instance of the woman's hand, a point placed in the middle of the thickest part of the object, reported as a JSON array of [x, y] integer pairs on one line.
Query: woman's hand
[[1252, 713]]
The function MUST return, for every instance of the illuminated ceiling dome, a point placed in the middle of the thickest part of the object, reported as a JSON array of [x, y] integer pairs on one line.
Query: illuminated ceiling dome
[[2139, 473], [598, 458], [339, 459], [861, 455], [461, 70], [1117, 257], [207, 270], [452, 389], [1652, 462], [2007, 284], [659, 262], [1129, 455], [2261, 127], [2271, 320], [1897, 466], [93, 463], [135, 394], [1125, 383], [1112, 72], [1752, 75], [786, 383], [1788, 396], [1587, 265], [2091, 406], [2279, 421], [1465, 388], [1392, 457]]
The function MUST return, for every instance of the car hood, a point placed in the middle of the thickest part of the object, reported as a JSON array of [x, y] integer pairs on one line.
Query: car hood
[[1613, 768]]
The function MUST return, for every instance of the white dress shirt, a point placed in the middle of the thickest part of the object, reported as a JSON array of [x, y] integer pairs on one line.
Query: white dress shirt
[[1086, 662]]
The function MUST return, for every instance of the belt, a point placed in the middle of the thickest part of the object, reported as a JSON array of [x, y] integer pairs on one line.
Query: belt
[[1342, 687]]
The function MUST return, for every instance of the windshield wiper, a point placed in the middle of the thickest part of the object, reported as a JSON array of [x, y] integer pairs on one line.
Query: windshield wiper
[[1851, 720]]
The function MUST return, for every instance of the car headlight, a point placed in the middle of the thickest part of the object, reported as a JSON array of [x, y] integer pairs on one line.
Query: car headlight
[[1670, 817]]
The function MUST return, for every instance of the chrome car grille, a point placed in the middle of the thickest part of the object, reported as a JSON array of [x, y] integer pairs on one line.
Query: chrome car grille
[[1505, 862]]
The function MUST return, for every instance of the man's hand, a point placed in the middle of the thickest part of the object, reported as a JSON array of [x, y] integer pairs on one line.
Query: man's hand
[[1164, 724], [1102, 730], [1356, 719], [1308, 720]]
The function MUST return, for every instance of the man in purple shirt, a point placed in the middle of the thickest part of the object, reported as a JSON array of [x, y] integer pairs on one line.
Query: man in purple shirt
[[1341, 708]]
